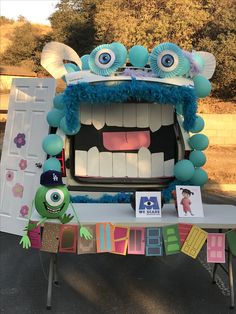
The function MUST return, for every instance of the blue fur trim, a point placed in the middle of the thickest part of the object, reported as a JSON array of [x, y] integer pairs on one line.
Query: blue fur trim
[[105, 198], [134, 90]]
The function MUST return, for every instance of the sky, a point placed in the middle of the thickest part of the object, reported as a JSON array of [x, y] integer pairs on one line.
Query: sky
[[35, 11]]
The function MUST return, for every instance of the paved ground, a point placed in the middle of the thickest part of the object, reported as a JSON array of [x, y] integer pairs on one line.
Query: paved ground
[[107, 283]]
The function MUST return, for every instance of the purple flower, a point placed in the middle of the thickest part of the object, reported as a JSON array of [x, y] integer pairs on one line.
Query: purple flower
[[24, 210], [9, 175], [23, 164], [19, 140]]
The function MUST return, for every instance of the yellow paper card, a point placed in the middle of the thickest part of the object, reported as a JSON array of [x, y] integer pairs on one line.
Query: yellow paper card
[[194, 242]]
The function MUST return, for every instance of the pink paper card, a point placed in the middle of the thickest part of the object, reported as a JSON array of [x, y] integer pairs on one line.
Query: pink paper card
[[68, 238], [216, 248], [184, 230], [121, 236], [136, 241], [35, 238]]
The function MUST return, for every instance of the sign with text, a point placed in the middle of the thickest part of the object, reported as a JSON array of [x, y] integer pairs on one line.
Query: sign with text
[[148, 204]]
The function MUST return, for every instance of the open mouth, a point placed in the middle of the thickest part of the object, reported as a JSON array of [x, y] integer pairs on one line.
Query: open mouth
[[53, 210], [125, 140]]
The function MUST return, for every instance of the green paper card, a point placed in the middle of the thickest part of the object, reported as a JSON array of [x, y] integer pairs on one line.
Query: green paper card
[[231, 237], [171, 239]]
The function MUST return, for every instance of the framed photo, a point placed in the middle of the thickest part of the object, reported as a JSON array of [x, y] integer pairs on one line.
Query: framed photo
[[148, 204], [189, 201]]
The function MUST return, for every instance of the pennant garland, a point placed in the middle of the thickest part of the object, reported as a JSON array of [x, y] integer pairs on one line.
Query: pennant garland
[[149, 241]]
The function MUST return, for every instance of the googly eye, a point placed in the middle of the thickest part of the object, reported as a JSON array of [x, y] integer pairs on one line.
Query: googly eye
[[167, 60], [54, 197], [106, 59]]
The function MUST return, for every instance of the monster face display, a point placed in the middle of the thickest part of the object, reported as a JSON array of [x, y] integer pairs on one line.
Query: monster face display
[[52, 202]]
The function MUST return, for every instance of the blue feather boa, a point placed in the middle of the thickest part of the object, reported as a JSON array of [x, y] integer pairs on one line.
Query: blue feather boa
[[134, 90]]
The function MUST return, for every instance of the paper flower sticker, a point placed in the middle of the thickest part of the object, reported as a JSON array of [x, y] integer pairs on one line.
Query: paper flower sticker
[[18, 190], [19, 140], [24, 210], [9, 175], [23, 164]]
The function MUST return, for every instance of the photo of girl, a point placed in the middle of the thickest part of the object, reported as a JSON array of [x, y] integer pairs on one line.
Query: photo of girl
[[186, 202], [189, 201]]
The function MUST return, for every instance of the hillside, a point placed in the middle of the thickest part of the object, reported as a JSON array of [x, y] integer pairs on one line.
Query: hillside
[[7, 30]]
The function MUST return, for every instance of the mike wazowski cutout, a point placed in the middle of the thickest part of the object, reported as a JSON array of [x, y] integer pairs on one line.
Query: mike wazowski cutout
[[51, 201]]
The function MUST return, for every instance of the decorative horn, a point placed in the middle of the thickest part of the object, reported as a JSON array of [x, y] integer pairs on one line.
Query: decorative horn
[[53, 55]]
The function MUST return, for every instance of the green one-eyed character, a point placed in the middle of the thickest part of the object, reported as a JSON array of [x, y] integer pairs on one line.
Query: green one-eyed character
[[51, 201]]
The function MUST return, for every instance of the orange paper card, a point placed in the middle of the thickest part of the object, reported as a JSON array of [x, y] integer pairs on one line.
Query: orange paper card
[[194, 242], [105, 237]]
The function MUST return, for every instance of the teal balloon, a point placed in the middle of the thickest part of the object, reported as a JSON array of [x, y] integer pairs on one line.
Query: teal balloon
[[52, 164], [138, 56], [85, 62], [198, 158], [54, 117], [71, 67], [183, 170], [202, 86], [198, 125], [52, 144], [65, 129], [199, 141], [58, 102], [199, 177]]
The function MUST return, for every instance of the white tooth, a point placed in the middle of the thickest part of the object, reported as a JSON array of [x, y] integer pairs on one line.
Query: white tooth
[[130, 115], [93, 162], [169, 168], [80, 163], [114, 114], [142, 115], [154, 117], [119, 165], [86, 113], [132, 165], [105, 164], [98, 116], [144, 163], [158, 165], [167, 114]]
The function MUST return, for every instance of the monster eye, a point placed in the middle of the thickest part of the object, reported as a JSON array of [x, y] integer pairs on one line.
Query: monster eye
[[106, 59], [54, 197], [168, 60]]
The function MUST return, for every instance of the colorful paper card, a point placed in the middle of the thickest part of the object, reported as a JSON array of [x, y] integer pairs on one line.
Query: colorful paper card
[[105, 237], [231, 238], [171, 239], [194, 242], [68, 238], [148, 204], [136, 241], [154, 245], [189, 201], [121, 237], [216, 248], [50, 239], [87, 246], [184, 230], [35, 237]]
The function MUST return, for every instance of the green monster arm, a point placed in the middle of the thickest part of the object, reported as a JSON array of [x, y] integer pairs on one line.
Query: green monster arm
[[83, 231]]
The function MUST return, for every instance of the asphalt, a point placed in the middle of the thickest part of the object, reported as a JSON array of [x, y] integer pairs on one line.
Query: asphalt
[[107, 283]]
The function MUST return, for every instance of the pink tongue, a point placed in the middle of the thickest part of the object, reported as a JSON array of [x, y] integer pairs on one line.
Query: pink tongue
[[126, 140]]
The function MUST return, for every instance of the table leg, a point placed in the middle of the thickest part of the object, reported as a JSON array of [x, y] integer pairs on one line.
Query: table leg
[[55, 276], [214, 272], [50, 281], [231, 280]]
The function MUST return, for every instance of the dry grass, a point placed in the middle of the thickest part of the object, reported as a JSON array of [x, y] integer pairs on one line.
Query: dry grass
[[215, 105], [221, 164]]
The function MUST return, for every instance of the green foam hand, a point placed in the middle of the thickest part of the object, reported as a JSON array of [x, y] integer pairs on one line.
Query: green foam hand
[[66, 218], [25, 242], [84, 233]]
